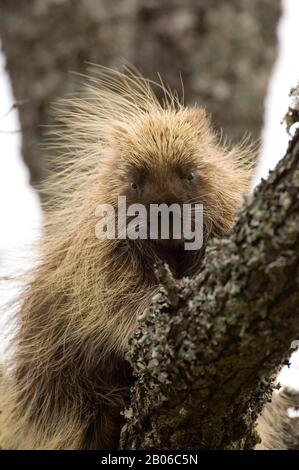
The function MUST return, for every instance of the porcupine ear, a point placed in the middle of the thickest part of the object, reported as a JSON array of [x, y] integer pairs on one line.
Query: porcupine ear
[[115, 132], [119, 128], [199, 119]]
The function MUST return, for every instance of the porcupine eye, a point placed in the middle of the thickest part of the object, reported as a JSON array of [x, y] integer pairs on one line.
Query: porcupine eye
[[190, 177], [187, 175], [136, 182], [133, 186]]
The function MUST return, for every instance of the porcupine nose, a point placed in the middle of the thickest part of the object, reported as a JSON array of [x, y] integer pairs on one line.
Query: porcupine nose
[[169, 217]]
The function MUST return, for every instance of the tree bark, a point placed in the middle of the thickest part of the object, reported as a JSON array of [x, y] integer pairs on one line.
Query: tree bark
[[224, 52], [207, 347]]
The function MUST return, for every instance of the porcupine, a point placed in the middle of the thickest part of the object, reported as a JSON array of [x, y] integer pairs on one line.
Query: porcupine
[[69, 380]]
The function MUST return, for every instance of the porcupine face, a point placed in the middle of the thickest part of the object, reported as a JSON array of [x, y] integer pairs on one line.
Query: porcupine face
[[163, 157], [155, 153]]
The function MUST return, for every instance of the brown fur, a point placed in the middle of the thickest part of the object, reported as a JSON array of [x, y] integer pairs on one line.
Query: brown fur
[[68, 380], [277, 429]]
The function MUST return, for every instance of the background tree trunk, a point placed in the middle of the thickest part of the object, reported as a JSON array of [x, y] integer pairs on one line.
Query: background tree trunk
[[208, 347], [223, 50]]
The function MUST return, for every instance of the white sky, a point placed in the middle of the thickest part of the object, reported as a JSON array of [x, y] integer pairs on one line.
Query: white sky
[[20, 213], [285, 76]]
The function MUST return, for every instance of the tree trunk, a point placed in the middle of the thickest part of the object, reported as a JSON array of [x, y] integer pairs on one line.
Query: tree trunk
[[223, 50], [208, 347]]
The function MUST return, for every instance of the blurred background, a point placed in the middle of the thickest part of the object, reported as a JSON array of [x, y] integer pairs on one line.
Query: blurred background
[[239, 59]]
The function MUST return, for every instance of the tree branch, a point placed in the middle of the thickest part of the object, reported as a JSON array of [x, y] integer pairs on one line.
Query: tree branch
[[203, 363]]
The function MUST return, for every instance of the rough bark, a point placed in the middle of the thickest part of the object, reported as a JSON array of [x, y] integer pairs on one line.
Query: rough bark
[[223, 50], [207, 347]]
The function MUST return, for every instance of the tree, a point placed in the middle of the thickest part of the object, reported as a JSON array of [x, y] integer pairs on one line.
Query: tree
[[209, 43], [207, 348]]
